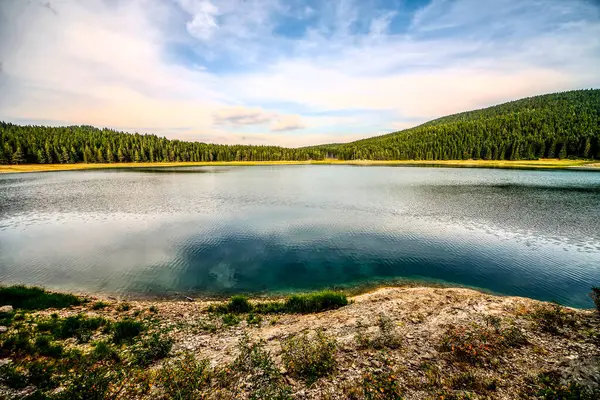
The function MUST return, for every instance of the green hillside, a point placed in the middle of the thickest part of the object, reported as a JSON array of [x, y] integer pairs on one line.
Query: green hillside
[[554, 125]]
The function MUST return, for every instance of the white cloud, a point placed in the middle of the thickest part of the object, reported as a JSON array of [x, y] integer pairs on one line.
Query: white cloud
[[113, 64], [287, 123]]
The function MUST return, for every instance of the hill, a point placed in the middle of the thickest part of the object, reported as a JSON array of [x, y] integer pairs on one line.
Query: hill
[[554, 125], [563, 125]]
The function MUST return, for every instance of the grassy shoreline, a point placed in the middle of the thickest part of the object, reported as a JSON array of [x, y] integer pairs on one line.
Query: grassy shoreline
[[521, 164]]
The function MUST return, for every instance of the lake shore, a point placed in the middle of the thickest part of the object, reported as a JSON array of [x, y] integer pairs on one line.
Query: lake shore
[[390, 343], [522, 164]]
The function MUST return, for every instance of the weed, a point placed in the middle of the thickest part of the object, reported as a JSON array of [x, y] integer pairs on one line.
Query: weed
[[123, 307], [12, 377], [381, 383], [125, 330], [184, 378], [45, 347], [239, 305], [99, 305], [310, 356], [253, 319], [387, 336], [103, 351], [230, 320], [152, 349], [34, 298], [153, 309], [553, 318], [266, 381]]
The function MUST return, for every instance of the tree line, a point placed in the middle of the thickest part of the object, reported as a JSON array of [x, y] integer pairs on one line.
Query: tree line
[[559, 125]]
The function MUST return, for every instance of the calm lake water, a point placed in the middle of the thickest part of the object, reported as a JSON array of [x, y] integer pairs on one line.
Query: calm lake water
[[222, 230]]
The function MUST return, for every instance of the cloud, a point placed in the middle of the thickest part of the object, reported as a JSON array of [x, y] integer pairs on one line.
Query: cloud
[[287, 123], [253, 70]]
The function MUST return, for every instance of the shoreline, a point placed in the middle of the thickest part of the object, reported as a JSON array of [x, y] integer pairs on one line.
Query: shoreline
[[415, 343], [583, 165]]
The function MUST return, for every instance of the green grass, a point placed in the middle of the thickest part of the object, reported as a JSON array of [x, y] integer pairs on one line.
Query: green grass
[[99, 305], [296, 304], [35, 298], [149, 350], [126, 330]]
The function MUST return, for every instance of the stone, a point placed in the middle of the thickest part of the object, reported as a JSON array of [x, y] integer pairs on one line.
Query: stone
[[6, 309], [3, 329]]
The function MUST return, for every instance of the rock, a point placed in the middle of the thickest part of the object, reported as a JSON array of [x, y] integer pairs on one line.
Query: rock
[[3, 329], [6, 309]]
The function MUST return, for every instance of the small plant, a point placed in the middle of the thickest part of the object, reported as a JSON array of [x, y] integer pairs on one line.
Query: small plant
[[152, 349], [239, 305], [17, 342], [45, 347], [103, 351], [266, 381], [230, 320], [99, 305], [514, 337], [553, 318], [12, 377], [123, 307], [34, 298], [153, 309], [473, 343], [387, 336], [253, 319], [381, 383], [184, 378], [595, 295], [310, 356], [125, 330]]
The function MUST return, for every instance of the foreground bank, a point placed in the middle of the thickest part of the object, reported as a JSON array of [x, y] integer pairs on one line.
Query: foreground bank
[[393, 343], [521, 164]]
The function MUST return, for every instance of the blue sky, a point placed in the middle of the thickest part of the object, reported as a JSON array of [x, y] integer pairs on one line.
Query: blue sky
[[285, 72]]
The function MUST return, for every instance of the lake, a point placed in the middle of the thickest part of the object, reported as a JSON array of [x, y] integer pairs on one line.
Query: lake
[[279, 229]]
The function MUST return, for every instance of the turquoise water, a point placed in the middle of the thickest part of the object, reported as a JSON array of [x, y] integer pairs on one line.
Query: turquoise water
[[223, 230]]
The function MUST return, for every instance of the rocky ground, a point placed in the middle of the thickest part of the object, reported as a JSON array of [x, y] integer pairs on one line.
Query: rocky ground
[[411, 343]]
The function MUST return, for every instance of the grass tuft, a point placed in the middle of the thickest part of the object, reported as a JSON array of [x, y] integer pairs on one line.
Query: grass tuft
[[35, 298], [126, 330], [315, 302], [310, 356]]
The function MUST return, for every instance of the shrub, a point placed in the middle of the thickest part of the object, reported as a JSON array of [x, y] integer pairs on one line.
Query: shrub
[[514, 337], [239, 305], [553, 318], [18, 342], [266, 382], [470, 381], [474, 343], [595, 294], [184, 378], [152, 349], [310, 356], [34, 298], [315, 302], [99, 305], [125, 330], [381, 383]]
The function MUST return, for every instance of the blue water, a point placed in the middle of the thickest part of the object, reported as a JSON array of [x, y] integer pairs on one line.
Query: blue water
[[223, 230]]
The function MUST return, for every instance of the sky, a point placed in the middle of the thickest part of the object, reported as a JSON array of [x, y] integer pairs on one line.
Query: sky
[[285, 72]]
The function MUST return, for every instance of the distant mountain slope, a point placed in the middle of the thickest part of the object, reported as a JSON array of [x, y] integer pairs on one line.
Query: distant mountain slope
[[554, 125]]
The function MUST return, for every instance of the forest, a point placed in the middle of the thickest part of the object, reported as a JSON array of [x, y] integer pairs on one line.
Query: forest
[[559, 125]]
